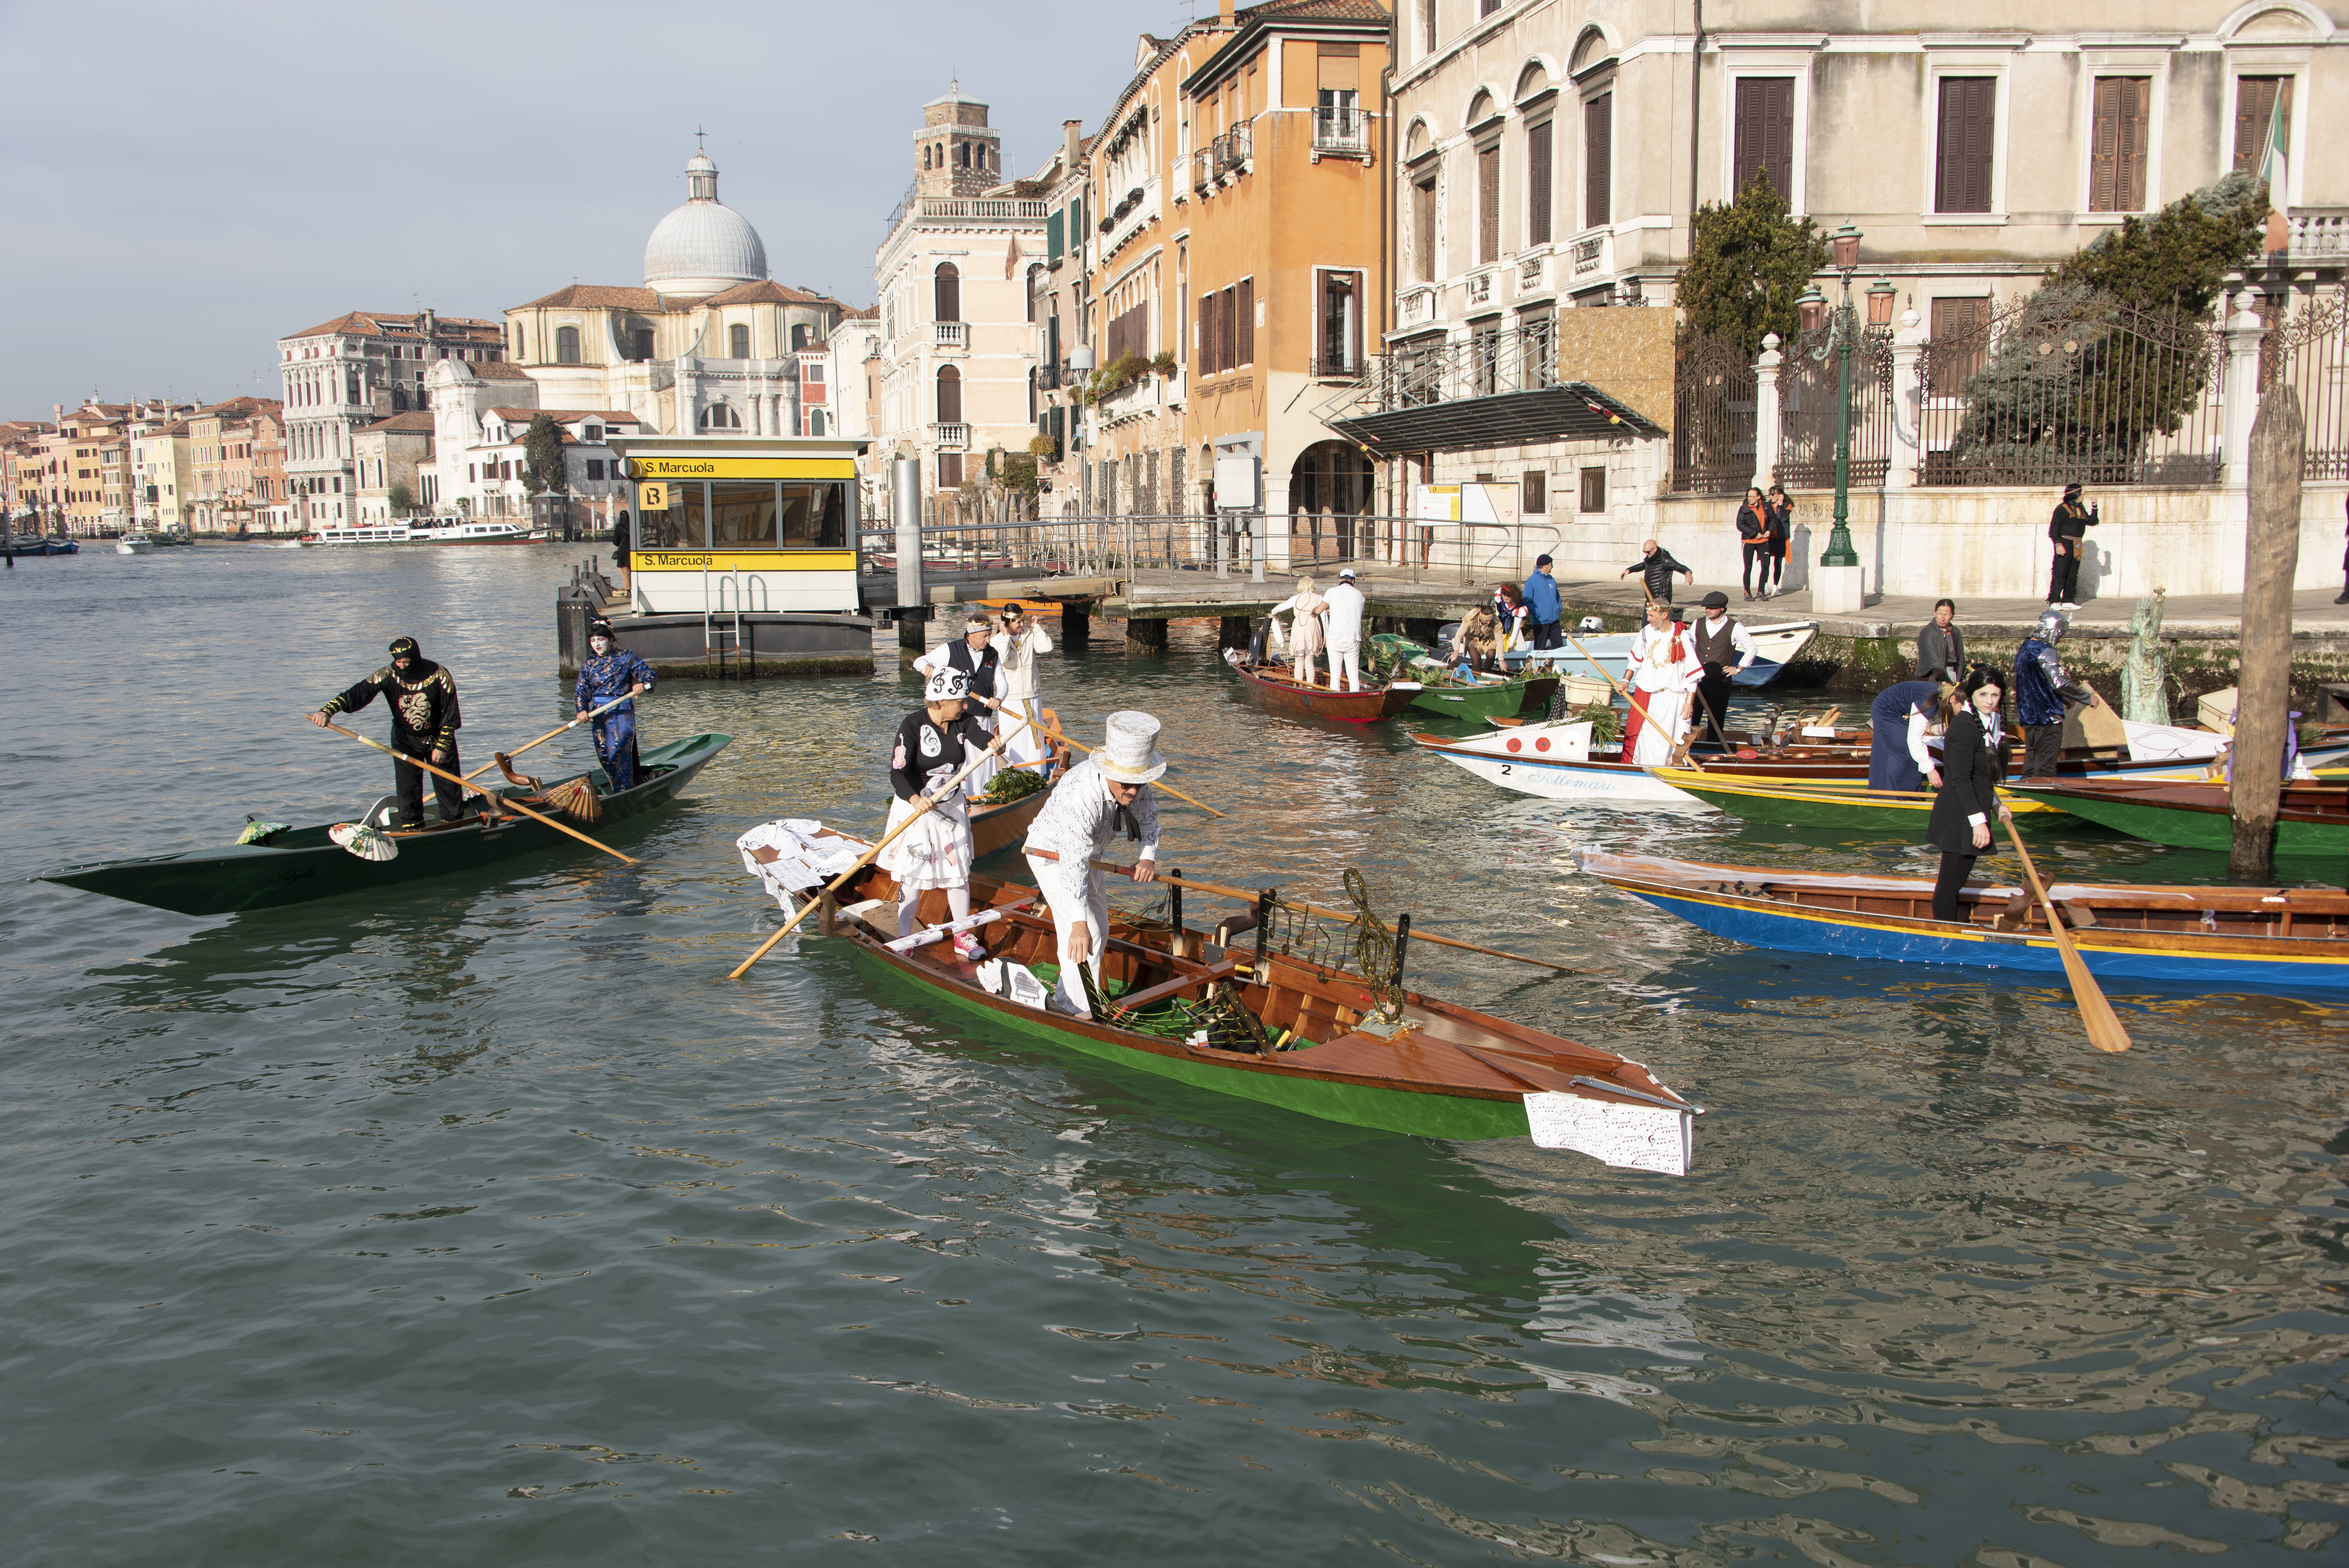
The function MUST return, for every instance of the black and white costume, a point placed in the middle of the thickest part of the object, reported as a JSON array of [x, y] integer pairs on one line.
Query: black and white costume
[[935, 852], [981, 674]]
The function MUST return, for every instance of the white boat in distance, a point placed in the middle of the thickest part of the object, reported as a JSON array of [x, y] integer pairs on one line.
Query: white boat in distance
[[1774, 645], [430, 530], [1555, 763], [135, 544]]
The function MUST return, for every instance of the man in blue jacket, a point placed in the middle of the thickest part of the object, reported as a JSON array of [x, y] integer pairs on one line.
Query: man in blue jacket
[[2041, 690], [1542, 607]]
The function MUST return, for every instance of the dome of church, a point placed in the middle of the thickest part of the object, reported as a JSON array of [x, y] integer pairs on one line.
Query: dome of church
[[705, 245]]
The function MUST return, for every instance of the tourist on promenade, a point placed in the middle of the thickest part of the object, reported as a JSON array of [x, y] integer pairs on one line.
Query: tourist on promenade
[[609, 672], [933, 744], [620, 550], [2068, 529], [1718, 640], [1103, 796], [1655, 567], [1899, 721], [1016, 647], [1345, 603], [1782, 535], [1664, 671], [1754, 542], [1542, 609], [972, 653], [1941, 646], [1305, 608], [2041, 690], [425, 718], [1959, 826]]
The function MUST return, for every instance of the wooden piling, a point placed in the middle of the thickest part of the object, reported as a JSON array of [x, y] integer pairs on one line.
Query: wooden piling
[[2263, 694], [1144, 636]]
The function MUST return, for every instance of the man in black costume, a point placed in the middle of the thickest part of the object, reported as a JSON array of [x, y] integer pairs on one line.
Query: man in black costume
[[422, 697]]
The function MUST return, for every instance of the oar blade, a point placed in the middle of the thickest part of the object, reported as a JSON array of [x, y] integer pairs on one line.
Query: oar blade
[[2103, 1024]]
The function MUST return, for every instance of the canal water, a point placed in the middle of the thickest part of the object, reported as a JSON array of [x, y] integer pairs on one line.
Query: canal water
[[490, 1223]]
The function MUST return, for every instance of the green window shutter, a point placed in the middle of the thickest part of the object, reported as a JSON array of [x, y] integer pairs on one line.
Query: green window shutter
[[1052, 238]]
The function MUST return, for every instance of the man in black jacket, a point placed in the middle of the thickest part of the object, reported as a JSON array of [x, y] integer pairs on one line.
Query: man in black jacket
[[1656, 565], [425, 717], [1941, 646], [2068, 529]]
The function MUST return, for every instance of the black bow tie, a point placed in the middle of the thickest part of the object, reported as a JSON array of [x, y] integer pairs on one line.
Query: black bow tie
[[1123, 822]]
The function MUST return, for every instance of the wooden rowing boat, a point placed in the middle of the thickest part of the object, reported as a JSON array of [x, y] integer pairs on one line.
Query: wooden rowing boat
[[1274, 686], [998, 827], [1443, 1070], [301, 864], [1488, 697], [2209, 938], [1782, 804], [2315, 819]]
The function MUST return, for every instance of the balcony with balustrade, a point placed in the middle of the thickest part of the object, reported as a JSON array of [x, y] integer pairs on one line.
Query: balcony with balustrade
[[953, 334], [950, 437]]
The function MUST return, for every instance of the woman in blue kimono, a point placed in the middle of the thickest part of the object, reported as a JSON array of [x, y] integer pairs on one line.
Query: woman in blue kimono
[[611, 671]]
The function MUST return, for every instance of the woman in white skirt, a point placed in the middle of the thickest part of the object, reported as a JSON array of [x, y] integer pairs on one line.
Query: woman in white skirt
[[1307, 608], [935, 852], [1016, 647]]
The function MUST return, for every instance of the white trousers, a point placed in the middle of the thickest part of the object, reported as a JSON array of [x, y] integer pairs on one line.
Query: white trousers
[[1348, 657], [1070, 900]]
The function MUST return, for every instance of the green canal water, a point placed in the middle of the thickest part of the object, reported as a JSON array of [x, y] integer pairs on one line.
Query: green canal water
[[489, 1224]]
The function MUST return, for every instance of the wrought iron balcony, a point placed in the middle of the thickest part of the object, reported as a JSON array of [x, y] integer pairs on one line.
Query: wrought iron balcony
[[1482, 365], [1343, 130]]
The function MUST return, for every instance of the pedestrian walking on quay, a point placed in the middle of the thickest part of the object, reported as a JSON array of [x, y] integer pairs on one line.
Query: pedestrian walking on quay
[[2068, 529], [1544, 610], [1754, 542], [2041, 690], [1968, 798], [620, 549], [1782, 538], [1655, 567], [1900, 721], [1941, 646]]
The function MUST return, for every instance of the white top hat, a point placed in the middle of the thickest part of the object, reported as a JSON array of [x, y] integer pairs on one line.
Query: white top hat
[[945, 685], [1126, 754]]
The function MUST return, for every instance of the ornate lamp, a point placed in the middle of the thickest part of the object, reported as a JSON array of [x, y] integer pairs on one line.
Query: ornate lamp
[[1880, 296], [1813, 306]]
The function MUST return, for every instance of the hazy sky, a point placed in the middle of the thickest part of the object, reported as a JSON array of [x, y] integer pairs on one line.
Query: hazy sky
[[188, 183]]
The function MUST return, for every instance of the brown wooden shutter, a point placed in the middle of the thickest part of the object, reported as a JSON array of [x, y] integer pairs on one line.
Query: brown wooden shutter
[[2116, 154], [1423, 222], [1226, 320], [1598, 162], [1361, 309], [1765, 133], [1488, 203], [1962, 165], [1537, 183], [1244, 337], [1203, 352], [2255, 101]]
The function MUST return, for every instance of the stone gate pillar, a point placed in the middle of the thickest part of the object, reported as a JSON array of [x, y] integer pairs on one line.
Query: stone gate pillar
[[2242, 397], [1908, 466], [1769, 423]]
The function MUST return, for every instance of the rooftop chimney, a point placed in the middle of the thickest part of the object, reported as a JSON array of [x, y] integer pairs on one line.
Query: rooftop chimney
[[1072, 145], [1222, 13]]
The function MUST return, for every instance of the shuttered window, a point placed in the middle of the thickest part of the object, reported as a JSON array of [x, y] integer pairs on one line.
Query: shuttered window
[[1203, 357], [1598, 162], [2255, 102], [1053, 230], [1537, 183], [1422, 230], [1339, 346], [1765, 133], [1243, 339], [1129, 334], [1488, 203], [1960, 342], [2117, 144], [1227, 321], [1962, 169]]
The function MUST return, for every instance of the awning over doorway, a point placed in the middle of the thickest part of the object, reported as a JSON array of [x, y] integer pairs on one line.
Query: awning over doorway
[[1573, 411]]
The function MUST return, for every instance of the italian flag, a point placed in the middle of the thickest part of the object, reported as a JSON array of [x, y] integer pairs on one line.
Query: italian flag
[[2275, 169]]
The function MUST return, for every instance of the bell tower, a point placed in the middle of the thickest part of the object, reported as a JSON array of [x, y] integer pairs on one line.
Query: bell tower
[[956, 153]]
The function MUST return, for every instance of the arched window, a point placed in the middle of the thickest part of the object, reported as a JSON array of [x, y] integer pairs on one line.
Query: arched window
[[720, 416], [799, 335], [949, 286], [815, 423], [642, 346], [566, 346], [1035, 287], [962, 153], [737, 341], [521, 342], [950, 395]]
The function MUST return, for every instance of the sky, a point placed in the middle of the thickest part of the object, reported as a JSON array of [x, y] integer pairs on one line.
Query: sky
[[190, 183]]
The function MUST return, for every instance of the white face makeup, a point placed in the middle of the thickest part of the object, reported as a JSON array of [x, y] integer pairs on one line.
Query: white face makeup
[[601, 644]]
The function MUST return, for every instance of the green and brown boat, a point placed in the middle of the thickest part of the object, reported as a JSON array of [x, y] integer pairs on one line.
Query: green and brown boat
[[297, 865], [1218, 1011], [1777, 803], [2196, 815]]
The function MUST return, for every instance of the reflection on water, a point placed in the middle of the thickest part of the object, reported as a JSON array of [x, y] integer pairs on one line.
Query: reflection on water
[[487, 1223]]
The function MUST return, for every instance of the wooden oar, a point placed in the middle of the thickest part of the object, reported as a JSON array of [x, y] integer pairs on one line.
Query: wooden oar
[[866, 858], [2104, 1031], [503, 804], [550, 735], [1244, 896], [1088, 750], [1680, 757]]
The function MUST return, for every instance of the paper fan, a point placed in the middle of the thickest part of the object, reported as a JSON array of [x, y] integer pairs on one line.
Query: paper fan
[[367, 844], [260, 832]]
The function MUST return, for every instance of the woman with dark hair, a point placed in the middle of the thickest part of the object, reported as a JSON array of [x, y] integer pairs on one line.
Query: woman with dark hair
[[1782, 533], [1967, 798], [1753, 540]]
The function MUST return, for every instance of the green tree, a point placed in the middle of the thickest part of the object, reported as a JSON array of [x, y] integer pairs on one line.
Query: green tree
[[2179, 257], [541, 456], [1749, 263], [402, 498]]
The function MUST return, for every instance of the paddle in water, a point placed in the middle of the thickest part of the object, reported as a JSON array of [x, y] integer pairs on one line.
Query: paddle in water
[[504, 802], [2104, 1031], [509, 755]]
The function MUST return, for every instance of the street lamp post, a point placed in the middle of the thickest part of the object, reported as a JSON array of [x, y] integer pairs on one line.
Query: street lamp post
[[1841, 342]]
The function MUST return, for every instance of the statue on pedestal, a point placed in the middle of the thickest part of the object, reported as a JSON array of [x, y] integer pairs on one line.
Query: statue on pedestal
[[2145, 695]]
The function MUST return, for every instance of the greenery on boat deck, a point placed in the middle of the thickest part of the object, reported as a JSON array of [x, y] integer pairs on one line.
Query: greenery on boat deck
[[1012, 784]]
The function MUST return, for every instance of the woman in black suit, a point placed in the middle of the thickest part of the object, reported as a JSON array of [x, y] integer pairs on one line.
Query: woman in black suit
[[1967, 798]]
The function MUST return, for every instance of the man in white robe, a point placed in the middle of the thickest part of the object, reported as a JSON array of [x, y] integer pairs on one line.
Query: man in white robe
[[1664, 671], [1345, 623]]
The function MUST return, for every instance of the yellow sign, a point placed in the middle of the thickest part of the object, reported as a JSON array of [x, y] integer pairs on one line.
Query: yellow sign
[[652, 498], [744, 468], [742, 561]]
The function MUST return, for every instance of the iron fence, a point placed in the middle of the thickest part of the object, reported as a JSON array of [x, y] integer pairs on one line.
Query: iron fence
[[2063, 385], [1486, 363], [2307, 350], [1809, 382], [1712, 416]]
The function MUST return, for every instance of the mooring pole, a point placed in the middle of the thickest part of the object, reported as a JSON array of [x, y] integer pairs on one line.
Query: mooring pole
[[905, 505], [2263, 694]]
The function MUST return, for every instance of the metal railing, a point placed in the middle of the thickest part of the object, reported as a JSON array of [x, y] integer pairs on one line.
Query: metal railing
[[1489, 364], [1338, 129], [2308, 351], [1712, 416], [1808, 389]]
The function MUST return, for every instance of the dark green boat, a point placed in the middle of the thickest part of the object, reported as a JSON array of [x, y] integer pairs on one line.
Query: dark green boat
[[302, 864], [1444, 693], [2195, 815]]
